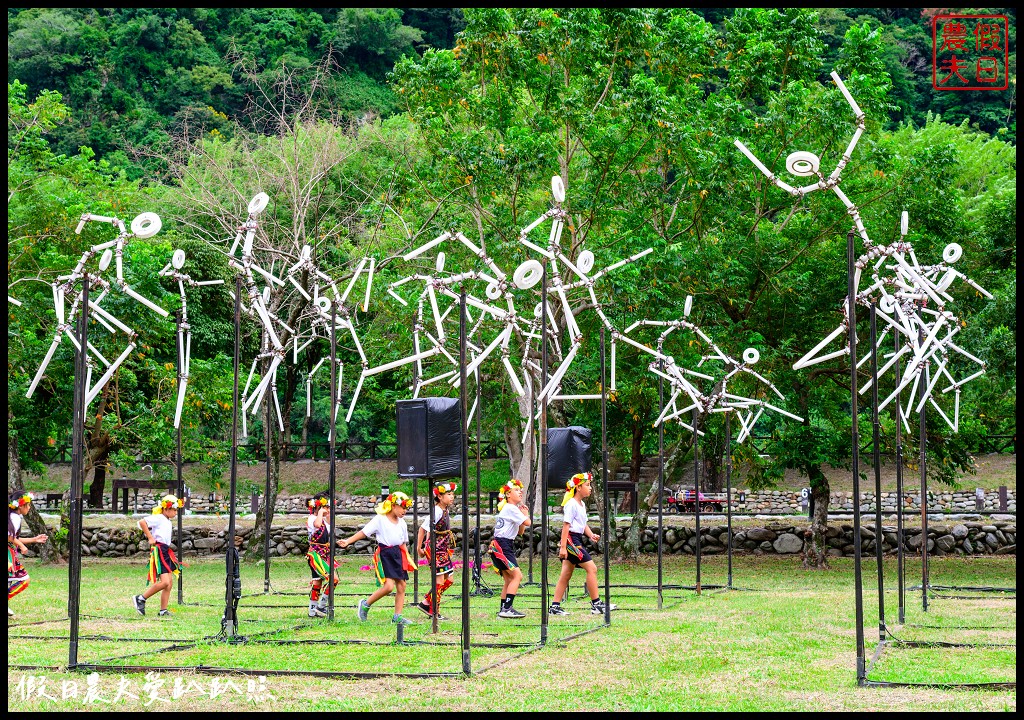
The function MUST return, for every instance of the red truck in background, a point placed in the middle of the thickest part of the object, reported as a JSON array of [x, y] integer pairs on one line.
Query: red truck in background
[[683, 502]]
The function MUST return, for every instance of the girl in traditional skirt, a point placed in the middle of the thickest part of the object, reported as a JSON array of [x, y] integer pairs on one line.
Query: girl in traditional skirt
[[570, 546], [391, 561], [511, 522], [439, 518], [18, 506], [163, 564], [319, 554]]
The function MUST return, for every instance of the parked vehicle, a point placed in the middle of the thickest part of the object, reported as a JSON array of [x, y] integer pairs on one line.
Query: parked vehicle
[[684, 502]]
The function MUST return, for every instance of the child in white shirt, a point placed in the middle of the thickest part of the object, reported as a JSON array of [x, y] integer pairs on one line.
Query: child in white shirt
[[510, 523], [163, 564], [391, 561], [570, 546]]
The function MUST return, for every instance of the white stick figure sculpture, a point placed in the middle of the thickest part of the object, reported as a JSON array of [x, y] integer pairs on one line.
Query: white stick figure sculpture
[[530, 272], [143, 226], [687, 382], [173, 270], [909, 298]]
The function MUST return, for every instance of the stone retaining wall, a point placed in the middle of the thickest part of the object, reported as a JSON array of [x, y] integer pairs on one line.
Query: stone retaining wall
[[966, 538], [767, 502]]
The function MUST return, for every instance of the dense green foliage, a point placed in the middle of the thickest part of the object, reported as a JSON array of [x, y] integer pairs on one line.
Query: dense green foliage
[[637, 111]]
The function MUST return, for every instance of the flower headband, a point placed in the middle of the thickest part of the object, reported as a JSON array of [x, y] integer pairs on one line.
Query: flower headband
[[316, 503], [442, 488], [574, 482], [396, 498], [168, 502], [506, 489], [23, 500]]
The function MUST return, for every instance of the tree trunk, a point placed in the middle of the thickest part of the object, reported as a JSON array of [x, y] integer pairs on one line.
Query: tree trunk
[[634, 538], [98, 484], [47, 551], [816, 551]]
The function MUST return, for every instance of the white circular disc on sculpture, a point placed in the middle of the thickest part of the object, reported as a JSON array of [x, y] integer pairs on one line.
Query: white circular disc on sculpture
[[538, 311], [751, 356], [105, 259], [178, 259], [439, 264], [688, 306], [952, 252], [266, 294], [528, 274], [947, 280], [904, 222], [493, 292], [146, 225], [558, 188], [306, 252], [802, 163], [259, 203], [324, 303], [585, 262], [887, 304]]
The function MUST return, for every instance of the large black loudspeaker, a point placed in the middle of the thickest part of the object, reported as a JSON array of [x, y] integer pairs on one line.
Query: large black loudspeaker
[[429, 438], [569, 452]]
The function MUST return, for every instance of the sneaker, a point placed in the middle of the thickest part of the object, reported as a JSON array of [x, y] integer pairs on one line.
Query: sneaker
[[10, 613], [557, 610], [399, 620], [598, 607], [164, 613], [139, 603], [315, 611], [513, 613], [424, 607], [322, 602], [363, 610]]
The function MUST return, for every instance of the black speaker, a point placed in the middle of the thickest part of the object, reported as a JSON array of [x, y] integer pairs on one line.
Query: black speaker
[[430, 437], [569, 452]]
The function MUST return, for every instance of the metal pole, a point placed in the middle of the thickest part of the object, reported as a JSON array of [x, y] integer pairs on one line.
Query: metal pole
[[876, 460], [177, 463], [416, 545], [332, 472], [855, 460], [923, 462], [533, 479], [696, 491], [544, 461], [466, 660], [728, 495], [661, 488], [477, 573], [229, 611], [901, 575], [77, 476], [606, 523], [433, 531], [267, 510]]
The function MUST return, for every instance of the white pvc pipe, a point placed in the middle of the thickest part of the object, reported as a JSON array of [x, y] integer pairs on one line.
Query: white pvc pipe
[[846, 93], [108, 374], [152, 306], [423, 248], [42, 365]]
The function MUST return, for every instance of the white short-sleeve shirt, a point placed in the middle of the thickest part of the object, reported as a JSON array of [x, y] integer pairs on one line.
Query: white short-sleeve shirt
[[16, 521], [437, 513], [507, 524], [310, 528], [161, 528], [576, 515], [386, 532]]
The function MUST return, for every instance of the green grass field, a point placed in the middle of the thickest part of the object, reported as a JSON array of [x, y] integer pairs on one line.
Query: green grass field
[[786, 644]]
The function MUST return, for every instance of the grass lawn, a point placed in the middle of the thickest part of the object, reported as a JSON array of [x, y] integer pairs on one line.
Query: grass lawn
[[786, 645]]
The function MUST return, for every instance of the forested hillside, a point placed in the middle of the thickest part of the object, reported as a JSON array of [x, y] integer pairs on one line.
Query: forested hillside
[[373, 130]]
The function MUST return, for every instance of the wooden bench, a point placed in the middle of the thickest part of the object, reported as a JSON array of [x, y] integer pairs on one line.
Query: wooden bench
[[127, 484]]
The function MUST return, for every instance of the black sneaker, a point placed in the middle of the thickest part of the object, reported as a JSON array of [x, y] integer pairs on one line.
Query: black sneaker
[[557, 610], [139, 603], [164, 613], [424, 607]]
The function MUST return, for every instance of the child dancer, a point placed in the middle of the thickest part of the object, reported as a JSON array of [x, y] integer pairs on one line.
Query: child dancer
[[163, 565], [444, 496], [18, 506], [319, 554], [391, 561], [570, 546], [512, 520]]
